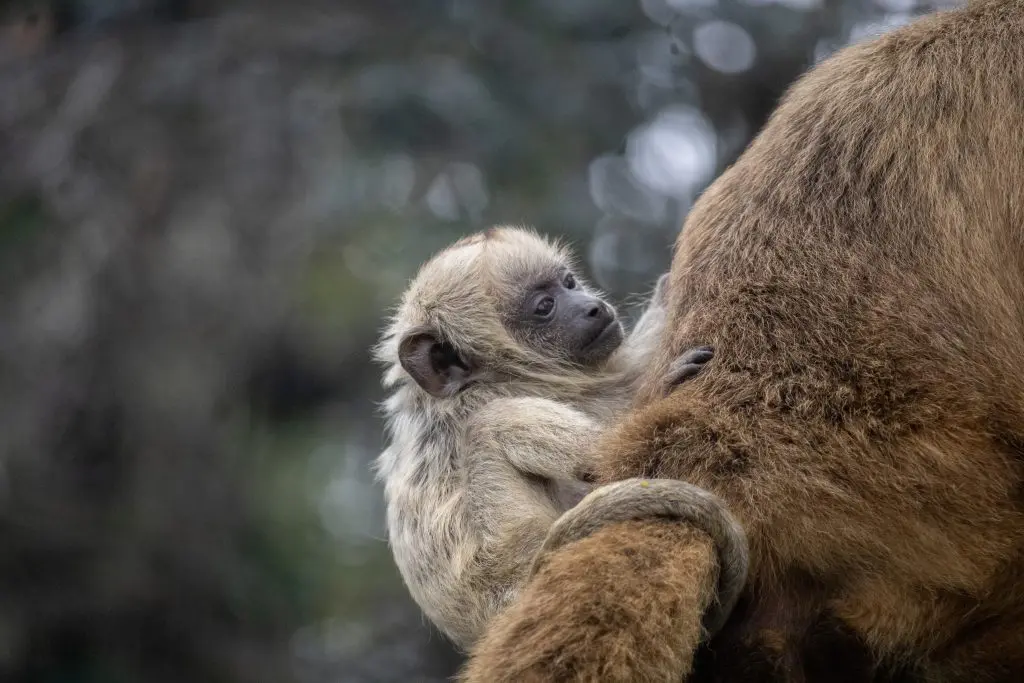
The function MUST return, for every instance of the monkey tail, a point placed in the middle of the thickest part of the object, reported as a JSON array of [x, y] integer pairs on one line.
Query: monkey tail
[[639, 499]]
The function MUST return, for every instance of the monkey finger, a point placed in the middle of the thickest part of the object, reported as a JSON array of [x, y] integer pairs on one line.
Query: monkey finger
[[698, 355], [689, 364], [680, 373]]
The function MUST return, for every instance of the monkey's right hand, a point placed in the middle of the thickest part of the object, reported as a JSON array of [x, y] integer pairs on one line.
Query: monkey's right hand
[[688, 365]]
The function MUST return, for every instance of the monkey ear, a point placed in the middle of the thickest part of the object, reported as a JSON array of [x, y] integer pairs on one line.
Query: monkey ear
[[435, 364]]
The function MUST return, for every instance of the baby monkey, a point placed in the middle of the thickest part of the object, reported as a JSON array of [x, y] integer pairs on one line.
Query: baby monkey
[[505, 367]]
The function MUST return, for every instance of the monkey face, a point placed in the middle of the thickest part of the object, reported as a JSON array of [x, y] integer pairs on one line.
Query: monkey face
[[553, 314], [559, 317], [499, 303]]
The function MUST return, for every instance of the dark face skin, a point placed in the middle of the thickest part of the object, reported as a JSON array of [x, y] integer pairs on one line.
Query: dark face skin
[[557, 316]]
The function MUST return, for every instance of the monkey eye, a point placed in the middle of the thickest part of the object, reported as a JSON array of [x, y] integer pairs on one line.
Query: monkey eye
[[569, 281], [544, 307]]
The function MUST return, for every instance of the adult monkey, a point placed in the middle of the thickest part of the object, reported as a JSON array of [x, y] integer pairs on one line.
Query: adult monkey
[[860, 273]]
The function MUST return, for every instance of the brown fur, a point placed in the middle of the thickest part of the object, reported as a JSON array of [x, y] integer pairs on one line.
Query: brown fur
[[664, 615], [638, 499], [860, 271]]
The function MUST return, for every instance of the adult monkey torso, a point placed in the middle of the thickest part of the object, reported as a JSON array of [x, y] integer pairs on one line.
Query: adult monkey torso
[[860, 272]]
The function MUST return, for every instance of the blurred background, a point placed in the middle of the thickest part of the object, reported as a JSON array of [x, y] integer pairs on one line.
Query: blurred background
[[206, 209]]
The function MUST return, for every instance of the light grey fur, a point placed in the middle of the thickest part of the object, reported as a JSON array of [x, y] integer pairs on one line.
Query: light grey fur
[[474, 481]]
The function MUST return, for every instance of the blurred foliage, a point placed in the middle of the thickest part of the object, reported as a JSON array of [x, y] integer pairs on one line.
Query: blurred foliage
[[206, 210]]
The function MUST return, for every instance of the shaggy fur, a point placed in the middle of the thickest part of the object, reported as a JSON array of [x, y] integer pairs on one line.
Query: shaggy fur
[[644, 499], [474, 480], [648, 633], [860, 272]]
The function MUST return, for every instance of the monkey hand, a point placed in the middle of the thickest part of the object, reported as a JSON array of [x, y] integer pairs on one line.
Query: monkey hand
[[570, 492], [622, 605], [688, 365]]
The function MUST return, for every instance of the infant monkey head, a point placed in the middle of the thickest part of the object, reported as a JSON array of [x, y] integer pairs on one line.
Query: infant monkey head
[[499, 304]]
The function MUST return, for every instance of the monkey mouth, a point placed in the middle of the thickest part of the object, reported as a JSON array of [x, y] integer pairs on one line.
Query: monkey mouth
[[601, 335]]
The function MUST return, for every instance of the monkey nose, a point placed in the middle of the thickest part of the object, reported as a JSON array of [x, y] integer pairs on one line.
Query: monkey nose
[[600, 312]]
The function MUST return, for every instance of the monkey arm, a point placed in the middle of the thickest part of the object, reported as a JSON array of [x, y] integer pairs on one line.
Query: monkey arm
[[576, 619], [536, 436], [639, 347], [633, 611], [640, 499], [672, 599], [516, 453]]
